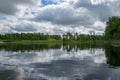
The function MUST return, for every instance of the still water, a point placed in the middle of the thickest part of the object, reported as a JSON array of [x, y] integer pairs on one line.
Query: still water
[[59, 62]]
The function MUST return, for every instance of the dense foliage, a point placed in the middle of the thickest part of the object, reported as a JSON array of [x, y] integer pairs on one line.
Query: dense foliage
[[29, 36], [41, 36], [113, 28]]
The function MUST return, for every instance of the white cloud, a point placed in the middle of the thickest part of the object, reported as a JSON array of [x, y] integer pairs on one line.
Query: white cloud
[[82, 16], [96, 2], [100, 26]]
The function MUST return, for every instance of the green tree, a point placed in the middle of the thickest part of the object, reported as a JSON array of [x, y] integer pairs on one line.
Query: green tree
[[113, 28]]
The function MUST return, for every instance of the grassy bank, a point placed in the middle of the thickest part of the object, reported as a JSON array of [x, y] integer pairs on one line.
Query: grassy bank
[[31, 41], [99, 42]]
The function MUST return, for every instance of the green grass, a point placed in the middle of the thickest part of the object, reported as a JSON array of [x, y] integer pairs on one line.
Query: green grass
[[31, 41], [61, 41]]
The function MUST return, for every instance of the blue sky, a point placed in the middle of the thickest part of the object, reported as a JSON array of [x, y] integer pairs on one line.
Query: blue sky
[[47, 2], [56, 16]]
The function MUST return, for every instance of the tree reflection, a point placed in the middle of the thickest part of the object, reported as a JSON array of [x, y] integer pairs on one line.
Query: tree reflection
[[28, 47], [112, 52], [113, 55], [46, 46]]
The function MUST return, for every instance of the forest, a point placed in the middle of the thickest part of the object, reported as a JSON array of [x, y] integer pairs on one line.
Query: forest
[[41, 36]]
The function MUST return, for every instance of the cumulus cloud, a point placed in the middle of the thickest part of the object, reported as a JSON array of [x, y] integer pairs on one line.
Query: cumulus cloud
[[64, 15], [57, 16], [101, 8], [100, 25]]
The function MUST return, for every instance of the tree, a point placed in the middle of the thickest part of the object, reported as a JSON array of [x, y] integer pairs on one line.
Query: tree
[[113, 28]]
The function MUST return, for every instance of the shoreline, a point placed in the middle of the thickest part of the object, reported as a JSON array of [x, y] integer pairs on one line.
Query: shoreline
[[61, 42]]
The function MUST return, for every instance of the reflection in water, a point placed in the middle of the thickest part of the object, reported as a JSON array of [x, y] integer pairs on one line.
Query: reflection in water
[[41, 47], [113, 55], [58, 62], [28, 47]]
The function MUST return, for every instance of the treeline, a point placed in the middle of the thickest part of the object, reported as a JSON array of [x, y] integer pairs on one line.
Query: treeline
[[41, 36], [82, 37], [29, 36]]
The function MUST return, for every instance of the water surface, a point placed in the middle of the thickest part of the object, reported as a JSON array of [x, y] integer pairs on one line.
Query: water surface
[[59, 62]]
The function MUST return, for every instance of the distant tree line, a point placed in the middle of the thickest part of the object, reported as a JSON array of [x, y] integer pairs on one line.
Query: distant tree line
[[29, 36], [76, 36], [41, 36]]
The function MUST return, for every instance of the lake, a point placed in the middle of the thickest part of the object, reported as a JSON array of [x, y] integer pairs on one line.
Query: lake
[[59, 62]]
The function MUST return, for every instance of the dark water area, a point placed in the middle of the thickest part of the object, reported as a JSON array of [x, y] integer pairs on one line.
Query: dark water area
[[59, 62]]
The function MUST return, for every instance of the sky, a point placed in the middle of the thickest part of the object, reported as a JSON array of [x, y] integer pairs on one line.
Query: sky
[[56, 16]]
